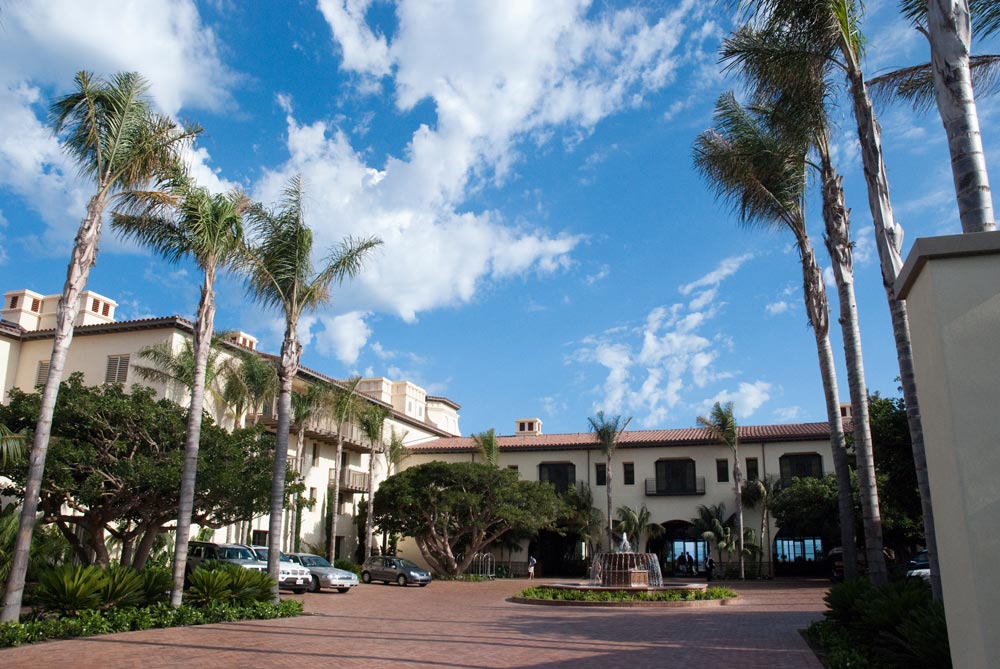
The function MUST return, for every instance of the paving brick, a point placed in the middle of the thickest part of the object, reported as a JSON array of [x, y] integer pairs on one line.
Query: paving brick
[[455, 625]]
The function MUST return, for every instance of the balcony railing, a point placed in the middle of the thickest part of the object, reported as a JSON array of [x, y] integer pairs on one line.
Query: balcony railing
[[350, 480], [664, 488]]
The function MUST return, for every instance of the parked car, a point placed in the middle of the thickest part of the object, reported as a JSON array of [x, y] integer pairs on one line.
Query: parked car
[[388, 569], [324, 574], [836, 558], [200, 552], [291, 576], [919, 566]]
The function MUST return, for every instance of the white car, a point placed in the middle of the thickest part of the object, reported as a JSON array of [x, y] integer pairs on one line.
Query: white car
[[291, 576], [325, 575]]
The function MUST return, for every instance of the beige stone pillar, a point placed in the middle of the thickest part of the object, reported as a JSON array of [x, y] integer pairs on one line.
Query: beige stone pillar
[[952, 290]]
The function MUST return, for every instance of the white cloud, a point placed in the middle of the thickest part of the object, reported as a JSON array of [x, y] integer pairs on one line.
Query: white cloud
[[344, 336], [602, 273], [775, 308], [651, 370], [724, 270], [792, 414], [747, 398]]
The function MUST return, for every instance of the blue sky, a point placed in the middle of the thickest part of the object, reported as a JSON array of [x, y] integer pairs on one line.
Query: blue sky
[[549, 250]]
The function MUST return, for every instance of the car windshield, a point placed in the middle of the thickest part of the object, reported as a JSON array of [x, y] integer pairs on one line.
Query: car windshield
[[406, 564], [314, 561], [262, 555], [234, 553]]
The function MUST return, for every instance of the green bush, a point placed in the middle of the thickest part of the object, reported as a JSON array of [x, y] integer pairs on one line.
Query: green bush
[[570, 595], [121, 587], [920, 640], [209, 586], [69, 589], [347, 565], [156, 584], [248, 585], [845, 600], [886, 608], [92, 622]]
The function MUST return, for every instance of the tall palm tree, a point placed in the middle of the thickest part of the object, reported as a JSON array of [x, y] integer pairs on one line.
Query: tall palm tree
[[372, 421], [713, 525], [832, 28], [638, 524], [608, 431], [721, 425], [948, 24], [11, 447], [250, 382], [395, 450], [488, 446], [280, 274], [305, 406], [187, 221], [757, 494], [790, 89], [176, 369], [118, 141], [345, 404], [763, 176]]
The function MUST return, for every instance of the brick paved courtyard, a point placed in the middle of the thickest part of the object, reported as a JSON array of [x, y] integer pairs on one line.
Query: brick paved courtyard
[[453, 625]]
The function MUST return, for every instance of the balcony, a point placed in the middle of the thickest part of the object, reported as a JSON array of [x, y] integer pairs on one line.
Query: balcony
[[668, 488], [350, 480]]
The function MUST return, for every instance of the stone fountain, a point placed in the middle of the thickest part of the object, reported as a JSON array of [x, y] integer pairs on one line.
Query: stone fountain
[[626, 569]]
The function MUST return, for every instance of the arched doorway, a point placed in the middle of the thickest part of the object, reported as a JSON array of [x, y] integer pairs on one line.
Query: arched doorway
[[558, 555], [675, 541]]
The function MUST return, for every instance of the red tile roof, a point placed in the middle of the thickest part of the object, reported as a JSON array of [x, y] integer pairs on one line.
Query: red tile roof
[[692, 436]]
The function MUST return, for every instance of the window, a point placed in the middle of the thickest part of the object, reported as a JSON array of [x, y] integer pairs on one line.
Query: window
[[522, 426], [600, 473], [722, 470], [36, 305], [677, 477], [106, 309], [531, 426], [96, 306], [258, 537], [753, 471], [628, 473], [117, 369], [13, 302], [560, 474], [43, 373], [800, 465], [514, 467], [312, 494], [315, 462]]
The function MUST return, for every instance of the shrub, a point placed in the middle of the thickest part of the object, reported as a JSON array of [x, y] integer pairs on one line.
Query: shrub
[[921, 639], [845, 600], [208, 586], [156, 583], [570, 595], [248, 585], [121, 587], [886, 607], [347, 565], [69, 589]]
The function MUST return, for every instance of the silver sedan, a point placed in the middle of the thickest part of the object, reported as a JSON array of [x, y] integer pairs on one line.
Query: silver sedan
[[324, 574]]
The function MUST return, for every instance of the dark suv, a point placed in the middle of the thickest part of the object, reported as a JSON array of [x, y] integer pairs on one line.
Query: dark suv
[[388, 569], [203, 551]]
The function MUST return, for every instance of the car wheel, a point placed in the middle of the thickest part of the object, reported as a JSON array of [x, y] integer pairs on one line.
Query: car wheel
[[314, 584], [401, 580], [299, 591], [366, 577], [343, 589]]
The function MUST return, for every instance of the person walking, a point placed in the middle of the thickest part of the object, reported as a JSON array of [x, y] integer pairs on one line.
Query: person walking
[[531, 567], [682, 563], [692, 566], [709, 566]]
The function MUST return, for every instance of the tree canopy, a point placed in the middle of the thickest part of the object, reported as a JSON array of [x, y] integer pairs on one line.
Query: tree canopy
[[454, 510]]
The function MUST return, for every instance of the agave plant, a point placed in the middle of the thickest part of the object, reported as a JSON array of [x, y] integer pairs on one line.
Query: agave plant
[[69, 589], [121, 587], [209, 586]]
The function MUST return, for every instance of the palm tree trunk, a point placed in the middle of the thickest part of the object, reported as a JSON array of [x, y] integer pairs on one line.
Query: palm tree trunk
[[838, 243], [818, 311], [371, 489], [83, 258], [291, 351], [607, 482], [950, 33], [889, 240], [189, 472], [738, 480], [336, 493]]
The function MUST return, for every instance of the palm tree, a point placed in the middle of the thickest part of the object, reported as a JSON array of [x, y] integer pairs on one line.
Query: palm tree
[[608, 431], [763, 175], [305, 405], [176, 369], [947, 24], [281, 275], [582, 517], [395, 450], [721, 425], [488, 445], [345, 404], [832, 30], [790, 90], [638, 523], [118, 141], [11, 447], [250, 382], [188, 221], [372, 421], [757, 494], [712, 525]]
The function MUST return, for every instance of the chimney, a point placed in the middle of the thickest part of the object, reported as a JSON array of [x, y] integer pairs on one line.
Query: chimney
[[528, 427]]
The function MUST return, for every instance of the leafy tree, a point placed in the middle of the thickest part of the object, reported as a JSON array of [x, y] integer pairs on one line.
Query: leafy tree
[[897, 475], [117, 140], [116, 467], [808, 507], [280, 274], [454, 510], [721, 425], [637, 524], [488, 446], [762, 175], [580, 516], [759, 494], [608, 431]]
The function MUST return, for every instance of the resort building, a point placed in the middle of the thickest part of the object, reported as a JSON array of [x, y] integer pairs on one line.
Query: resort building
[[670, 472]]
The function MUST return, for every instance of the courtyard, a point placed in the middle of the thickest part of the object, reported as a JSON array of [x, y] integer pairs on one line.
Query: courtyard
[[452, 624]]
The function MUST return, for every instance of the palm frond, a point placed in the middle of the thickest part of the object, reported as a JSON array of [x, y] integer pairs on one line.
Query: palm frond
[[915, 84], [12, 446]]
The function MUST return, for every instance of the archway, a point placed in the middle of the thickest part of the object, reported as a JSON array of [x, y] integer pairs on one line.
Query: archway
[[675, 541]]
